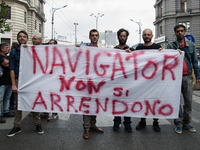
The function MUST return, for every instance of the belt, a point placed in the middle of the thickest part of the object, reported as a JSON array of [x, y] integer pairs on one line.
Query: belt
[[185, 74]]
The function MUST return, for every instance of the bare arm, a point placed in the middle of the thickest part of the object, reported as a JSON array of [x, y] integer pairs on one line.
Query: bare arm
[[5, 63]]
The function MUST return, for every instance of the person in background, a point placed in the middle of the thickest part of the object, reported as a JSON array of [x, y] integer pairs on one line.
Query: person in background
[[5, 83], [54, 116], [52, 41]]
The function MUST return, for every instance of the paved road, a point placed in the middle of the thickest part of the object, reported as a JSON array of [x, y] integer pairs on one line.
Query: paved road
[[66, 134]]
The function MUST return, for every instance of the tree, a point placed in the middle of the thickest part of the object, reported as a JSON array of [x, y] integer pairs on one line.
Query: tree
[[4, 26]]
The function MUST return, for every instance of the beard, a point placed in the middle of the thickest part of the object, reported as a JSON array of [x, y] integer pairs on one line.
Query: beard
[[122, 42], [180, 37], [147, 40]]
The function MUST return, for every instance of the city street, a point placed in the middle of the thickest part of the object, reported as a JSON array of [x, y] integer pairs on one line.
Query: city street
[[67, 134]]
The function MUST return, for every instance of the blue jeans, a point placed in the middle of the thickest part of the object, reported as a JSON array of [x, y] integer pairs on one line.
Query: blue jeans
[[5, 93]]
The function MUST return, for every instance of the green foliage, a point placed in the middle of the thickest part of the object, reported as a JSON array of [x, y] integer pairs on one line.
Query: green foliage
[[4, 26]]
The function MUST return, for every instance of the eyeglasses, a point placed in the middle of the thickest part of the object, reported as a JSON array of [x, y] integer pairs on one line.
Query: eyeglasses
[[177, 31], [34, 38], [22, 37], [146, 35]]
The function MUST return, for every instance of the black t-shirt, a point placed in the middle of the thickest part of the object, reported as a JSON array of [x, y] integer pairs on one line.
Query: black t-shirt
[[127, 47], [153, 46], [5, 78]]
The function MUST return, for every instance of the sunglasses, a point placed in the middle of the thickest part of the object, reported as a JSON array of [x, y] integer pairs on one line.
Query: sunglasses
[[179, 31]]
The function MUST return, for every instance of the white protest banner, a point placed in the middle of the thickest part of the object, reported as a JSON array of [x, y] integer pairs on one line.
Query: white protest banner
[[91, 80]]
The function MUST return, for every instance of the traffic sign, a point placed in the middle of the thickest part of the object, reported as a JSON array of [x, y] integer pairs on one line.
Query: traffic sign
[[190, 38]]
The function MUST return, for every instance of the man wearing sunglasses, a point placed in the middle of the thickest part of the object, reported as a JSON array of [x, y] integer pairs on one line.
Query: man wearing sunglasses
[[190, 62]]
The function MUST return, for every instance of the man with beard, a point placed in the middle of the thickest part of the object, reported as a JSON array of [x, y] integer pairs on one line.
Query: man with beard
[[147, 36], [14, 61], [89, 121], [190, 62], [122, 35]]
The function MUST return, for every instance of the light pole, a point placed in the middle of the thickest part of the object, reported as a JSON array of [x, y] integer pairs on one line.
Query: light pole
[[97, 17], [139, 24], [75, 32], [52, 22]]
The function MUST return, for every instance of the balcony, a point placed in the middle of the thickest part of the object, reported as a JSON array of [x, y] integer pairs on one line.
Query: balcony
[[183, 11], [39, 10], [158, 16]]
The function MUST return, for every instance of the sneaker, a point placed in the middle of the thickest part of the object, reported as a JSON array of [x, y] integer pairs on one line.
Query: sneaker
[[189, 128], [39, 129], [53, 117], [128, 128], [2, 120], [156, 126], [14, 131], [116, 127], [9, 114], [12, 107], [178, 130], [141, 125]]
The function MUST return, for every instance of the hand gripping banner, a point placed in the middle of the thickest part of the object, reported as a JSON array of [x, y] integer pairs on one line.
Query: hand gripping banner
[[100, 81]]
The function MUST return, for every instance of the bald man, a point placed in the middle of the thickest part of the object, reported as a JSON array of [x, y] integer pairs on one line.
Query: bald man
[[147, 37], [37, 40]]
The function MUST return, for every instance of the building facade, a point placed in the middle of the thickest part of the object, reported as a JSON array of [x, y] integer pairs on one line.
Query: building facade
[[107, 39], [172, 12], [25, 15]]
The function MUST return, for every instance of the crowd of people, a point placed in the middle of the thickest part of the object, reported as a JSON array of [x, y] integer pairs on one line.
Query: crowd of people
[[9, 72]]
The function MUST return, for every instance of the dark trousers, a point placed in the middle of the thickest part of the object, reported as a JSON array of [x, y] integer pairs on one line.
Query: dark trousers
[[127, 120]]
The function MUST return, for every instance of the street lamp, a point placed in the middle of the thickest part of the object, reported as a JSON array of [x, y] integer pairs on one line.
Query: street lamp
[[139, 24], [53, 10], [97, 17], [75, 32]]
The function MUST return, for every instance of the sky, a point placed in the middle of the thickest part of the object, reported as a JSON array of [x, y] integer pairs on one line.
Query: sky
[[117, 14]]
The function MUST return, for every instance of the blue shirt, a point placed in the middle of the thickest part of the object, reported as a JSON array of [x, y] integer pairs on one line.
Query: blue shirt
[[190, 56], [14, 61]]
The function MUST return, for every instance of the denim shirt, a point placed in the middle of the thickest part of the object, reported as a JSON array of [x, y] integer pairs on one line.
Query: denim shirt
[[14, 61], [190, 56]]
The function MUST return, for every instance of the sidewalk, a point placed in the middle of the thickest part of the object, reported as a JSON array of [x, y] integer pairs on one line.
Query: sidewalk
[[196, 92]]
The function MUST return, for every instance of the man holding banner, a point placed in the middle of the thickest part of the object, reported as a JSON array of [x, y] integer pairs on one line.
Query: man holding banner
[[122, 36], [89, 121], [22, 38], [190, 62], [147, 36]]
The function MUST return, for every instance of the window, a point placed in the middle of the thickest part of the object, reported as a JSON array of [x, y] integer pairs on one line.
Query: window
[[186, 24], [161, 30], [160, 10], [183, 6], [35, 24], [24, 17], [7, 14], [40, 28]]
